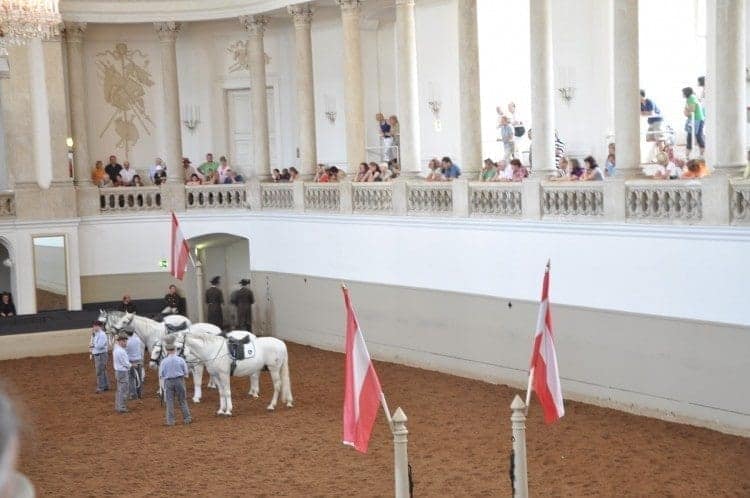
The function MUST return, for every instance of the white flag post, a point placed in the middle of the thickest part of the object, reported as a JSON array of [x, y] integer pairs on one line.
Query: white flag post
[[400, 456], [518, 425]]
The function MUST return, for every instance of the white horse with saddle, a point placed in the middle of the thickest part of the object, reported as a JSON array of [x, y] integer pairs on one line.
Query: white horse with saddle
[[151, 332], [251, 355]]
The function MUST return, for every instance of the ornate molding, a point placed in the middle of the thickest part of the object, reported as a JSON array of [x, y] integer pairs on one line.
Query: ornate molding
[[301, 14], [254, 25], [349, 6], [167, 31], [74, 31], [409, 3]]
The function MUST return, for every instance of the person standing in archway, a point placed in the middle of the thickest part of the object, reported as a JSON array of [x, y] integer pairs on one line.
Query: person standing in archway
[[244, 300], [214, 300]]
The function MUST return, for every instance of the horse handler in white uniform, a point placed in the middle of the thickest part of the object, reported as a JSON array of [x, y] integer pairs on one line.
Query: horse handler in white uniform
[[173, 370], [122, 367], [134, 349]]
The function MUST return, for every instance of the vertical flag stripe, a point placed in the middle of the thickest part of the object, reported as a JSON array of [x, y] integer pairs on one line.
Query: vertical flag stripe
[[179, 250]]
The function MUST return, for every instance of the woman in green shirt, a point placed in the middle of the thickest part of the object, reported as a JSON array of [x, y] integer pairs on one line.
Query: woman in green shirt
[[695, 117]]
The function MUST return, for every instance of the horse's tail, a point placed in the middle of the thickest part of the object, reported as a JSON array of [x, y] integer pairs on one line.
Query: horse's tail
[[286, 383]]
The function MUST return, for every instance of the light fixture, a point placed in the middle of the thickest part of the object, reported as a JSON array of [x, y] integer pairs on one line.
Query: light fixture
[[567, 93], [192, 116], [565, 78], [331, 116], [330, 106], [69, 142], [23, 20]]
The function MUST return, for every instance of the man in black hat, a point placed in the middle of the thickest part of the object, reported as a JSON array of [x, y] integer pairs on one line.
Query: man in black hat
[[214, 300], [244, 300]]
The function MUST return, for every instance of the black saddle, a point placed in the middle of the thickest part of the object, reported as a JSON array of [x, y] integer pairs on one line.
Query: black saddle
[[171, 329]]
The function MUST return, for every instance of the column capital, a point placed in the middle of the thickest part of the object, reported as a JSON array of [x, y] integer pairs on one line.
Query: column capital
[[167, 31], [301, 14], [409, 3], [74, 31], [349, 6], [254, 25]]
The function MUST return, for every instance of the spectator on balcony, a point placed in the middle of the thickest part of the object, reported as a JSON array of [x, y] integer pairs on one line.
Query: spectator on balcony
[[695, 119], [212, 179], [137, 182], [450, 170], [126, 174], [293, 174], [696, 168], [222, 170], [519, 172], [666, 169], [118, 181], [396, 134], [275, 175], [321, 175], [610, 166], [385, 172], [373, 173], [127, 305], [575, 171], [593, 174], [285, 176], [99, 177], [361, 172], [561, 172], [194, 180], [191, 170], [334, 173], [386, 139], [157, 172], [507, 137], [113, 168], [233, 177], [489, 171], [436, 172], [210, 166], [559, 149], [7, 308]]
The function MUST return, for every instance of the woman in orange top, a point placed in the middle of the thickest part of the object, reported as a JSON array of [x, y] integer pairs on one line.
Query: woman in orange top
[[98, 175], [696, 168]]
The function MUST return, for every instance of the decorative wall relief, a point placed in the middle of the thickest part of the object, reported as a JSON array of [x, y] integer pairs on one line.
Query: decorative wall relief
[[238, 50], [125, 78]]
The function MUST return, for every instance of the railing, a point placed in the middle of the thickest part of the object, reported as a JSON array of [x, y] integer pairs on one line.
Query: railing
[[740, 199], [372, 197], [7, 204], [322, 197], [429, 198], [572, 199], [276, 196], [119, 199], [677, 201], [215, 196], [495, 199]]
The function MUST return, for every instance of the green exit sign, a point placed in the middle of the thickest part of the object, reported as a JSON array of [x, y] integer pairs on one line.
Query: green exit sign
[[163, 263]]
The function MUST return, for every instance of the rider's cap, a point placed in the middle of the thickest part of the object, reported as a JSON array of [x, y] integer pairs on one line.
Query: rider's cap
[[170, 346], [122, 336]]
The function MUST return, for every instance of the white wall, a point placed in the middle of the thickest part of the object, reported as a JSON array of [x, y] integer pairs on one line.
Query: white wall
[[598, 266], [49, 269]]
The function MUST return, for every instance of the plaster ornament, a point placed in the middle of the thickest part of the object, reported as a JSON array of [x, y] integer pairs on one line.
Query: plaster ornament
[[238, 50]]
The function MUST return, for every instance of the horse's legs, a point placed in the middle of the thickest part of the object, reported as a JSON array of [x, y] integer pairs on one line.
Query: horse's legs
[[197, 383], [286, 384], [160, 389], [226, 390], [212, 382], [276, 378], [222, 400], [254, 385]]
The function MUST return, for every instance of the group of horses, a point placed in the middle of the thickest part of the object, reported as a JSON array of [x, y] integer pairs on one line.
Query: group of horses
[[204, 345]]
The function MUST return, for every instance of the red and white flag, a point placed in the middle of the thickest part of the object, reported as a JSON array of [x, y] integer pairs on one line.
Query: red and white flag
[[179, 251], [362, 392], [543, 373]]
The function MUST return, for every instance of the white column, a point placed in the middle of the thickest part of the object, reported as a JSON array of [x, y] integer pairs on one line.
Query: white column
[[542, 89], [353, 95], [729, 84], [302, 16], [200, 289], [468, 79], [408, 94], [167, 32], [41, 131], [256, 57], [77, 97], [627, 88]]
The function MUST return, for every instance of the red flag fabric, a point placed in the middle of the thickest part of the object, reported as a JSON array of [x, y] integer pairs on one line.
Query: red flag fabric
[[179, 251], [362, 392], [544, 372]]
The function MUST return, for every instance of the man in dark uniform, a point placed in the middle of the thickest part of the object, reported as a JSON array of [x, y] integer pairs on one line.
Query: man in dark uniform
[[214, 300], [243, 299], [171, 302], [127, 305]]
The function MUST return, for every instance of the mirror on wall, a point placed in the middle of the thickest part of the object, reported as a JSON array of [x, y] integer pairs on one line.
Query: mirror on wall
[[50, 273]]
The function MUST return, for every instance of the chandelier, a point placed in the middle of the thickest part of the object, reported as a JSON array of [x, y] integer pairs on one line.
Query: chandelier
[[22, 20]]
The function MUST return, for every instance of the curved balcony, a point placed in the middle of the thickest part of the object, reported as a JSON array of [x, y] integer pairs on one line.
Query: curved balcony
[[232, 196], [123, 199]]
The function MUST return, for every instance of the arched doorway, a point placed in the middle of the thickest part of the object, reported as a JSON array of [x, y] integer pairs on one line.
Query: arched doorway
[[223, 255]]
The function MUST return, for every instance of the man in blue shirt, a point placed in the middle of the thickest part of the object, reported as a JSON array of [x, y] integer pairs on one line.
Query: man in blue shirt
[[134, 349], [173, 370], [122, 367], [451, 171], [98, 348]]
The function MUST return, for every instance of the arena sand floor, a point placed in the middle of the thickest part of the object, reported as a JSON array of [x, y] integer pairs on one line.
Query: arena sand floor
[[459, 441]]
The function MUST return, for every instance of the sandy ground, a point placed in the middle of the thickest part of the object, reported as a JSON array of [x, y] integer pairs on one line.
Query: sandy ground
[[459, 441]]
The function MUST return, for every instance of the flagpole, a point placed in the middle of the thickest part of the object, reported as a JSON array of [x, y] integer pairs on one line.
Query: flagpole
[[531, 369], [387, 410]]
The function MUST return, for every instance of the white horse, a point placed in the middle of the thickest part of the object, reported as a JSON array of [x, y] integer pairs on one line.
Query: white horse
[[151, 331], [269, 352]]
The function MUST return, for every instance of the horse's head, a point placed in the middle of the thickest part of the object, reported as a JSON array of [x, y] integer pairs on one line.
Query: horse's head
[[102, 317], [124, 322]]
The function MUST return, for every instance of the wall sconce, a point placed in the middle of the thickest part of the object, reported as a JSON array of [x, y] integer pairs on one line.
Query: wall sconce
[[567, 93], [69, 142], [191, 117], [330, 106], [434, 106]]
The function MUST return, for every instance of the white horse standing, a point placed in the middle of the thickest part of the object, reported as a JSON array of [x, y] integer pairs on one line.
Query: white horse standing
[[151, 332], [269, 352]]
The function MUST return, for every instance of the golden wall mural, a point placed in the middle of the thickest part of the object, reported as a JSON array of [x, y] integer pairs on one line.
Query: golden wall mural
[[125, 79], [238, 50]]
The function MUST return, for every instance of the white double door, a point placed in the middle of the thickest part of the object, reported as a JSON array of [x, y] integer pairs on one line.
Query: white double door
[[240, 129]]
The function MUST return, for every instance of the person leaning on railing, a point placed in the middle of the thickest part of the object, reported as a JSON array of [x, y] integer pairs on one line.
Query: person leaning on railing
[[99, 177]]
